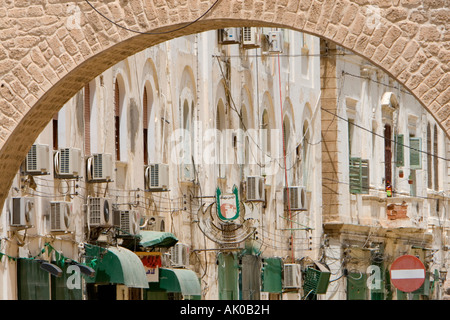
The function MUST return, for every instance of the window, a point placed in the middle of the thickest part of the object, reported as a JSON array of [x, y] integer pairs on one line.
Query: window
[[87, 120], [351, 131], [429, 163], [388, 154], [117, 119], [55, 131], [415, 162], [145, 126], [435, 158], [432, 157], [188, 142]]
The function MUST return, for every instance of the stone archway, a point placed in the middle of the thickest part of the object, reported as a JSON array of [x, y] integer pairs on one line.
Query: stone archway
[[49, 50]]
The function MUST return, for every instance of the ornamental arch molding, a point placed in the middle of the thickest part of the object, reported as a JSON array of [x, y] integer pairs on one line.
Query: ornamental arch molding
[[50, 49]]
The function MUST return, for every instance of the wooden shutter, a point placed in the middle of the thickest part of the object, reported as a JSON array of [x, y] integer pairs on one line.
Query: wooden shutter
[[415, 158], [399, 150], [359, 175]]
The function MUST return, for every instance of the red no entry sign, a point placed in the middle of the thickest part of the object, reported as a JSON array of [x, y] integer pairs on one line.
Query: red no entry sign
[[407, 273]]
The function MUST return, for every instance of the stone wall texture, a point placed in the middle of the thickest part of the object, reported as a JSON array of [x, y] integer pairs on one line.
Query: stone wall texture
[[49, 49]]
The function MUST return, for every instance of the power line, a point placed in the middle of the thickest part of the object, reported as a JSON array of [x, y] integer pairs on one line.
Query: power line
[[154, 33], [381, 136]]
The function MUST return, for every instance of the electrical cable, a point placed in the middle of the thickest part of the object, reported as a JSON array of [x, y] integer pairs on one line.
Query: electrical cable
[[154, 33], [384, 138]]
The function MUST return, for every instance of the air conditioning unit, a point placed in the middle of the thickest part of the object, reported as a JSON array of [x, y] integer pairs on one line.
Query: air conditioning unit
[[68, 163], [99, 167], [250, 38], [22, 212], [179, 255], [60, 216], [297, 198], [156, 224], [275, 39], [157, 177], [127, 221], [292, 276], [255, 188], [37, 160], [229, 36], [99, 212]]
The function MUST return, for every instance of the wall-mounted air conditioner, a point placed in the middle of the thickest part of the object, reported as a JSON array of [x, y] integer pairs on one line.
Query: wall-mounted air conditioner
[[67, 163], [179, 255], [292, 276], [229, 35], [297, 198], [22, 212], [99, 212], [127, 221], [156, 223], [99, 167], [255, 188], [275, 39], [157, 177], [37, 160], [60, 216], [251, 38]]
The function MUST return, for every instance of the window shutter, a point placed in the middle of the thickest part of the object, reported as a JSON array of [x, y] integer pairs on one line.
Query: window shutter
[[365, 181], [399, 151], [359, 175], [415, 159]]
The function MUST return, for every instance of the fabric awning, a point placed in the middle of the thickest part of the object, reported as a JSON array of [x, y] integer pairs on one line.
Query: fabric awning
[[180, 280], [116, 265], [157, 238]]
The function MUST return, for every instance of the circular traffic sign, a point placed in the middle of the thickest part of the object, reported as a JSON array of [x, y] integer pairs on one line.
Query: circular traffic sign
[[407, 273]]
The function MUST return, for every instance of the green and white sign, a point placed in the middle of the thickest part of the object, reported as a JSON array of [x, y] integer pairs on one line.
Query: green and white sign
[[228, 204]]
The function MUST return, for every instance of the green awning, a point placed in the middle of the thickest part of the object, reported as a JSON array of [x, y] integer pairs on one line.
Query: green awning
[[116, 265], [180, 280], [157, 238]]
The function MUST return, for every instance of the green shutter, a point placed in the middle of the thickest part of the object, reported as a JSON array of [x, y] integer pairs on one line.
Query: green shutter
[[228, 277], [33, 283], [271, 275], [359, 175], [60, 289], [356, 286], [415, 158], [399, 151]]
